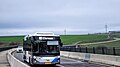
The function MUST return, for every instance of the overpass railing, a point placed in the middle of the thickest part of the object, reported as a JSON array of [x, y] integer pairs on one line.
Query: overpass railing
[[94, 50], [7, 48]]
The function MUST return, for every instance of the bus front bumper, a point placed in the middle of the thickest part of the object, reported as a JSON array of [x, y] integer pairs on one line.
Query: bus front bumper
[[46, 63], [57, 61]]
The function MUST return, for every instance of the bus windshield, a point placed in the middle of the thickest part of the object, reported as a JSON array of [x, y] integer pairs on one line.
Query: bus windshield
[[45, 47]]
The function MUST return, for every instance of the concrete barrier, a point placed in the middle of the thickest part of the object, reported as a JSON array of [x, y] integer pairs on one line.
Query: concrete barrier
[[15, 62], [107, 59]]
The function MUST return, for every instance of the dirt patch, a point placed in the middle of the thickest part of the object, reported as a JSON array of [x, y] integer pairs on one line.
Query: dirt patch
[[1, 43]]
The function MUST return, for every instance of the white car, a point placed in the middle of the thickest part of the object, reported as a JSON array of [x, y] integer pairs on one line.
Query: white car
[[19, 49]]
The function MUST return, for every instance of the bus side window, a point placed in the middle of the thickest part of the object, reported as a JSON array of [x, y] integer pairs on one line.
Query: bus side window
[[26, 46]]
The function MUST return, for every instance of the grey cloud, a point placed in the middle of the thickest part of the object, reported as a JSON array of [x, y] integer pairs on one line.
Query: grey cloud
[[70, 14]]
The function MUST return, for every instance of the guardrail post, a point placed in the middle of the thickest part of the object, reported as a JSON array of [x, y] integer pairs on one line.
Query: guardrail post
[[79, 49], [114, 51], [103, 52], [68, 48], [75, 49], [94, 50], [72, 49], [86, 50]]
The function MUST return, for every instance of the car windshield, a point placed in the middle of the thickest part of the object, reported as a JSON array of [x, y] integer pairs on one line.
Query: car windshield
[[20, 46]]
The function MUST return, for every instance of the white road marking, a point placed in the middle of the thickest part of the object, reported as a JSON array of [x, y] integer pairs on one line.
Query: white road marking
[[59, 65], [70, 61], [73, 60]]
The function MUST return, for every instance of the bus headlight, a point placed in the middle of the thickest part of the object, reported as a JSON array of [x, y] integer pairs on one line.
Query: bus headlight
[[34, 57], [57, 56]]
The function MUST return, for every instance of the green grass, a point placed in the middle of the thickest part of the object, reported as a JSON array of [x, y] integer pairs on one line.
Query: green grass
[[66, 39], [71, 39], [117, 35], [110, 44], [9, 39]]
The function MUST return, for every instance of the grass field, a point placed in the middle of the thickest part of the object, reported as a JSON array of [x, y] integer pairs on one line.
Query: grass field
[[9, 39], [110, 44], [66, 39], [117, 35], [71, 39]]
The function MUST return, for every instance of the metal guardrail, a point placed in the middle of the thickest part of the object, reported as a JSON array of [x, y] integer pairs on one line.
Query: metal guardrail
[[7, 48], [94, 50]]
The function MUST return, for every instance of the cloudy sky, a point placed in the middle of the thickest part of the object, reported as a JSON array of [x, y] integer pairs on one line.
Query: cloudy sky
[[76, 16]]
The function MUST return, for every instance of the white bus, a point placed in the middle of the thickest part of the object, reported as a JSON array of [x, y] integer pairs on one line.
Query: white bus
[[42, 48]]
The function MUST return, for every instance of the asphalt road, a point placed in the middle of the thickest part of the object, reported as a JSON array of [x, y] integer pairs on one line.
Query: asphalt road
[[67, 62]]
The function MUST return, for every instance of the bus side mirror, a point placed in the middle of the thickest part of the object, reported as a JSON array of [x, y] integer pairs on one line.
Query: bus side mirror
[[61, 44]]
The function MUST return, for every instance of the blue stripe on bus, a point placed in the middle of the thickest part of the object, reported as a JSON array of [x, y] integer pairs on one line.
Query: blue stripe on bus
[[55, 60]]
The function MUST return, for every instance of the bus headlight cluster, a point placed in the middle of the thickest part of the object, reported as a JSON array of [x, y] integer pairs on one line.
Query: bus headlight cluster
[[58, 56], [58, 60], [34, 57]]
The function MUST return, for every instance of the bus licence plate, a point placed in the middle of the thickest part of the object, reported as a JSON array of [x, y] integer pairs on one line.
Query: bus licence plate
[[47, 62]]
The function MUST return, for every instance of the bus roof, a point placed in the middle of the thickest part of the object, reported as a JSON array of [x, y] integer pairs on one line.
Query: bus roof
[[42, 34]]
